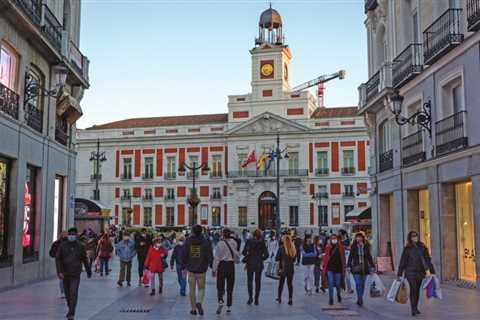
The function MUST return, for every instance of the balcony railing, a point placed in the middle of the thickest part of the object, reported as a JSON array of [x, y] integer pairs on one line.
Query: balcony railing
[[190, 174], [8, 102], [94, 177], [386, 161], [147, 176], [269, 173], [349, 194], [52, 28], [170, 175], [169, 198], [372, 86], [348, 171], [473, 15], [61, 130], [216, 196], [370, 5], [126, 176], [216, 174], [34, 117], [126, 197], [79, 61], [451, 133], [321, 195], [413, 150], [147, 198], [376, 84], [322, 172], [32, 8], [442, 35], [407, 65]]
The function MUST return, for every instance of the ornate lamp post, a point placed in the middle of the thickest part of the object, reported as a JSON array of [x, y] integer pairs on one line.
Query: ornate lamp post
[[193, 199], [422, 117], [97, 157], [279, 154]]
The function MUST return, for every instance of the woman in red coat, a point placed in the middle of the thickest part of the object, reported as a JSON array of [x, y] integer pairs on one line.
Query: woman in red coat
[[333, 268], [155, 263]]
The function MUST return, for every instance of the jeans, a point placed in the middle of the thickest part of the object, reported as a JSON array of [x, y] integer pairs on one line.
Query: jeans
[[333, 282], [182, 281], [415, 283], [62, 288], [125, 270], [196, 280], [71, 283], [160, 280], [225, 273], [141, 264], [360, 285], [308, 277], [258, 280], [316, 275], [289, 278], [104, 265]]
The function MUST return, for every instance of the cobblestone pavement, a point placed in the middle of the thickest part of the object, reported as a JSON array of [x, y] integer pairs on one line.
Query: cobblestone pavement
[[101, 299]]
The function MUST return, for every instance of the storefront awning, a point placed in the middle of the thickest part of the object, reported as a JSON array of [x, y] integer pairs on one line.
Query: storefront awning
[[359, 213], [90, 208]]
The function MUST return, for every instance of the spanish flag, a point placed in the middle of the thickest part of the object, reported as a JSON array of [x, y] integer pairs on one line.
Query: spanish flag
[[261, 160]]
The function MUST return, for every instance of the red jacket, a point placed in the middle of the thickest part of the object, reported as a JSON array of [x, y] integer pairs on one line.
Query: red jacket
[[155, 259], [326, 259], [104, 248]]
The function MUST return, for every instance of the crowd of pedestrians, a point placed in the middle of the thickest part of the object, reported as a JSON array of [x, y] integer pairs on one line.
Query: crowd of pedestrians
[[329, 262]]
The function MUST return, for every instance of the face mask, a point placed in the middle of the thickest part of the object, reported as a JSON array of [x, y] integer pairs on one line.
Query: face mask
[[415, 239], [71, 237], [126, 238], [359, 240], [157, 245], [180, 242], [334, 241]]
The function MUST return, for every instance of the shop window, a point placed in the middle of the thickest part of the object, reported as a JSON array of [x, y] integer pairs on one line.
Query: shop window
[[30, 242], [293, 216], [58, 209], [8, 66], [465, 232], [216, 220], [4, 213], [242, 217]]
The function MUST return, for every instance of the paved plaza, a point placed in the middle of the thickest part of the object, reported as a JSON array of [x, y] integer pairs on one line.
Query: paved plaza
[[101, 299]]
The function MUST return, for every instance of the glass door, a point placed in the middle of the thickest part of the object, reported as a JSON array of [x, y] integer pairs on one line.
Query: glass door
[[424, 218], [465, 231]]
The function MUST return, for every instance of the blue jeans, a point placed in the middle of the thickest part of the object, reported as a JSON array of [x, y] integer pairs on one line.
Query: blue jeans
[[360, 284], [60, 284], [104, 265], [182, 281], [333, 282]]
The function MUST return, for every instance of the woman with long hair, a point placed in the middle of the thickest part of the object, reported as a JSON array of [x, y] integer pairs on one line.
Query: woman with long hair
[[360, 263], [414, 263], [104, 252], [317, 241], [333, 268], [255, 253], [286, 257], [309, 257]]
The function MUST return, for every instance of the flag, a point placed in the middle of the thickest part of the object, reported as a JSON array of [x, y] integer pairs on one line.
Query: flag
[[250, 159], [271, 158], [261, 160]]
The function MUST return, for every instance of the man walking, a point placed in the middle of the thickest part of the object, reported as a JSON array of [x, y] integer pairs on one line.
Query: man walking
[[176, 259], [70, 256], [143, 242], [125, 251], [196, 258], [53, 253]]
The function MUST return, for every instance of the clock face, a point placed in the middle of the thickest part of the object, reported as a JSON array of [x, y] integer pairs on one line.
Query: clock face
[[267, 69]]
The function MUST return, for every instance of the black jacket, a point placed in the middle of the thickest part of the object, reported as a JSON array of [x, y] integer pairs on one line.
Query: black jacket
[[255, 252], [54, 248], [286, 263], [354, 259], [177, 256], [415, 260], [70, 256], [142, 244], [198, 254]]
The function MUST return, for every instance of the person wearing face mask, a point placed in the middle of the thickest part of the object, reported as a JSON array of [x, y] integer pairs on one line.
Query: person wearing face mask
[[176, 259], [125, 251], [333, 268], [53, 253], [70, 256], [317, 242], [360, 263], [154, 262], [143, 242], [414, 263], [104, 251], [309, 257]]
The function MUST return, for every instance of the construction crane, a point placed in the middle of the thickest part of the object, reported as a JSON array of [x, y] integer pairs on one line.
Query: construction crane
[[320, 82]]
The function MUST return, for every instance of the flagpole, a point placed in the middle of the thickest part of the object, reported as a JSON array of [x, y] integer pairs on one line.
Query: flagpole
[[277, 216]]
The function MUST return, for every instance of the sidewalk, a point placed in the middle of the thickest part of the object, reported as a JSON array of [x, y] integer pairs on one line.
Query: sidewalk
[[101, 299]]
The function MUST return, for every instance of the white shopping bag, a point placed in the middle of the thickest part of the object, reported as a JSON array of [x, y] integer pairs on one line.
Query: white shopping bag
[[392, 293], [438, 290], [375, 279], [426, 281], [352, 281]]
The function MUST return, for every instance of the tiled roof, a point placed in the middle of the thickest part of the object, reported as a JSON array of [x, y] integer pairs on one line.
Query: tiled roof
[[336, 112], [164, 121]]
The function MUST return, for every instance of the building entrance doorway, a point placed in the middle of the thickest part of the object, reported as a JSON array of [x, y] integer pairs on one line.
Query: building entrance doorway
[[465, 232], [267, 203]]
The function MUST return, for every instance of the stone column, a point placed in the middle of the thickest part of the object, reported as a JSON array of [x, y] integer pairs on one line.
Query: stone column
[[448, 240], [436, 232], [476, 219]]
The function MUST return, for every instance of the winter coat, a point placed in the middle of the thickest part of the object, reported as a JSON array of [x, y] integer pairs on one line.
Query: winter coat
[[415, 261], [54, 248], [69, 259], [286, 263], [104, 248], [198, 254], [142, 244], [354, 259], [126, 250], [255, 252], [155, 259], [326, 258], [309, 254], [177, 256]]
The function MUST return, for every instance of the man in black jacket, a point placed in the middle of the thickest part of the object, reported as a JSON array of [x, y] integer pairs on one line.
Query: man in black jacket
[[53, 253], [143, 241], [196, 258], [70, 256]]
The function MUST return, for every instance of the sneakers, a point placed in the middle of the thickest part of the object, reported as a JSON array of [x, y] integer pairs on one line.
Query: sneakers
[[250, 300], [153, 292], [199, 308], [229, 309], [160, 290], [317, 290], [330, 301], [290, 302], [128, 284], [279, 300], [193, 312], [339, 298], [220, 307], [120, 284]]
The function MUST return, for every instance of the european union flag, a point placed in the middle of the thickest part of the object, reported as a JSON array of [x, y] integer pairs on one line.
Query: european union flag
[[271, 156]]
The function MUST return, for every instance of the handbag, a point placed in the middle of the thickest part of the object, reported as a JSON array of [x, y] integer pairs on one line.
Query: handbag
[[146, 277], [357, 269]]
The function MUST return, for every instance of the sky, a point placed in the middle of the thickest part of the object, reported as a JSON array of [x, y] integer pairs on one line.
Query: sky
[[151, 58]]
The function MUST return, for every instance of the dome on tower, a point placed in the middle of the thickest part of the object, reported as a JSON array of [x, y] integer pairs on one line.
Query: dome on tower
[[270, 19]]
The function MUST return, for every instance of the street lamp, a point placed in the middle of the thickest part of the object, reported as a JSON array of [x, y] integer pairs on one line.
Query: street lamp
[[278, 154], [33, 88], [97, 157], [422, 117], [193, 199]]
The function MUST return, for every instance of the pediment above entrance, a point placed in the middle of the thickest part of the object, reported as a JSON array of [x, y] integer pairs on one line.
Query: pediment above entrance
[[268, 123]]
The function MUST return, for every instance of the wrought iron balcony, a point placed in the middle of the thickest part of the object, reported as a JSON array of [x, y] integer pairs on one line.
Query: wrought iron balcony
[[413, 150], [473, 15], [349, 194], [52, 28], [370, 5], [126, 197], [442, 35], [190, 174], [451, 133], [79, 61], [8, 102], [385, 161], [407, 65], [170, 175], [34, 117], [372, 86], [321, 195], [147, 198], [94, 177], [169, 197], [376, 84], [348, 171], [216, 174], [126, 176], [32, 8], [147, 176], [216, 196], [61, 130], [268, 173], [322, 172]]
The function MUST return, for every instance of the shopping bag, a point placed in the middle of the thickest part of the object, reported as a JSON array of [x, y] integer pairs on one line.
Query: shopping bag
[[437, 290], [272, 270], [392, 293], [146, 277], [352, 281], [373, 280], [401, 296]]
